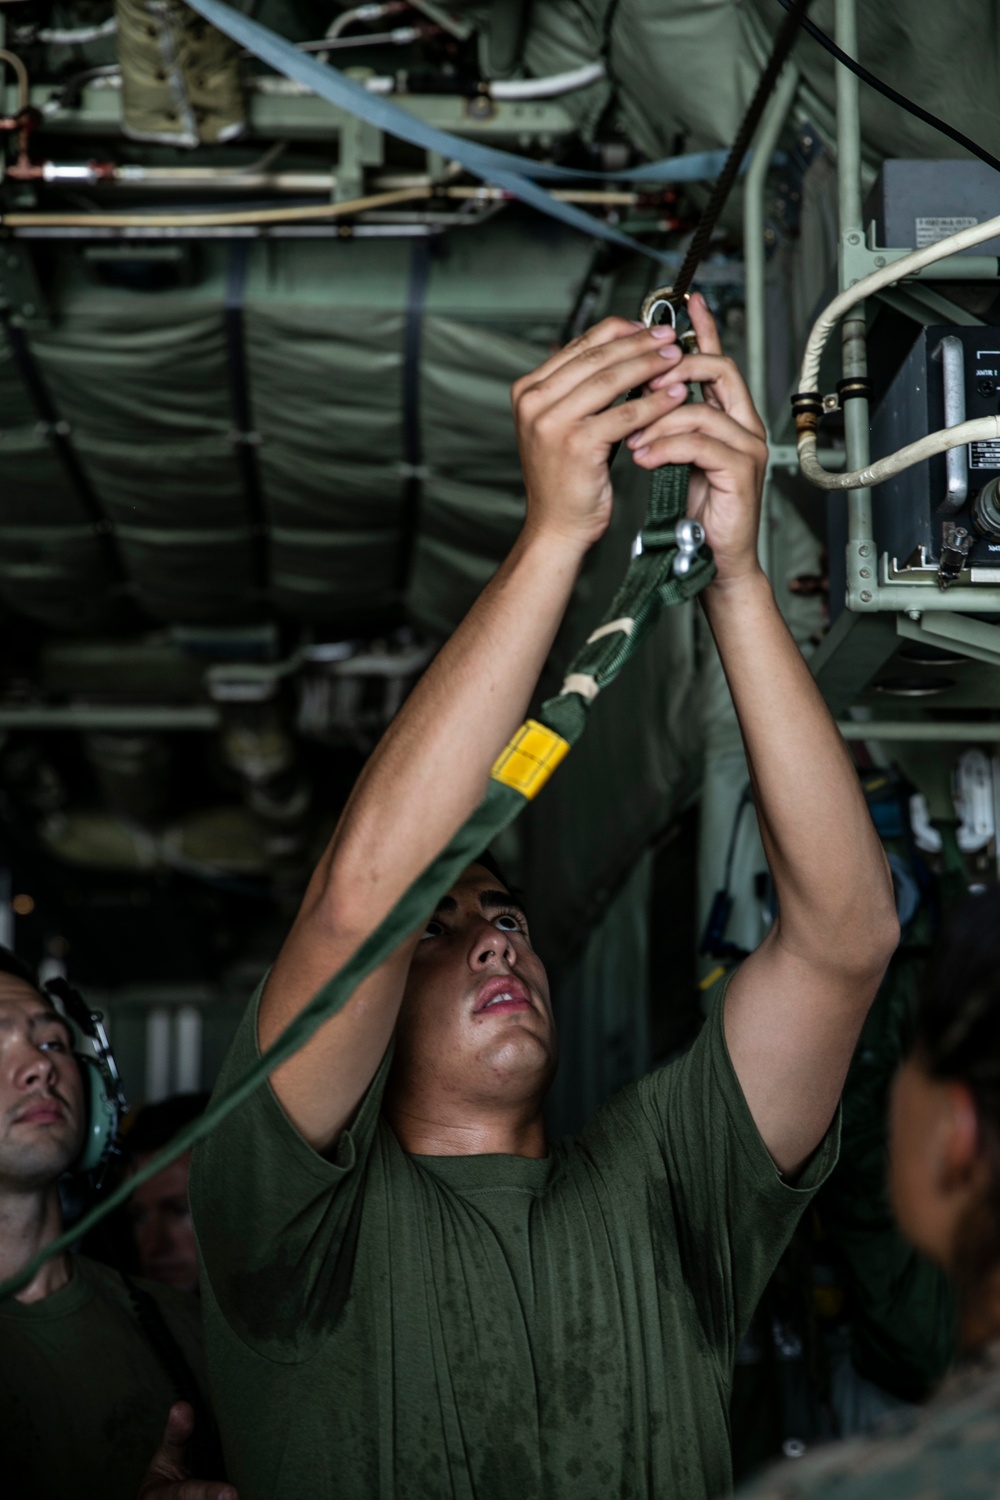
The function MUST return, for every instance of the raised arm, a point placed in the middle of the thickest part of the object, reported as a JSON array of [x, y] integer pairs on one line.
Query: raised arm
[[430, 770], [794, 1009]]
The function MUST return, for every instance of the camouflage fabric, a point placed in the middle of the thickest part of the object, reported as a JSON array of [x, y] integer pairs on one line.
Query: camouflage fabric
[[948, 1451]]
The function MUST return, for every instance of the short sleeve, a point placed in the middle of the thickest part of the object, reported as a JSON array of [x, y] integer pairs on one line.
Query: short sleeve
[[277, 1224], [732, 1211]]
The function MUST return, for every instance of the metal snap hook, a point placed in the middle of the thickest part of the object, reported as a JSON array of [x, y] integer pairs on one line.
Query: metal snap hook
[[660, 297]]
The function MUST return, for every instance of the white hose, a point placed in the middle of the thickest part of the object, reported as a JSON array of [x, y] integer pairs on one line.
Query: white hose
[[983, 428], [363, 13], [547, 88], [60, 38]]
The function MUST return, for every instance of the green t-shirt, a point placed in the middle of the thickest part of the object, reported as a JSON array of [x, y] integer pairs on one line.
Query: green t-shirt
[[83, 1397], [488, 1327]]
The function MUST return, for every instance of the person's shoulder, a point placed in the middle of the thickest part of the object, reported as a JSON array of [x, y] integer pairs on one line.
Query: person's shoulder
[[949, 1451]]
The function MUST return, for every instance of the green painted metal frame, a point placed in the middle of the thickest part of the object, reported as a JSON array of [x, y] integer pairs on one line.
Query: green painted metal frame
[[866, 593], [882, 610]]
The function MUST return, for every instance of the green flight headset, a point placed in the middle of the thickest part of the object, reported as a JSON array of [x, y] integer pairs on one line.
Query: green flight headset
[[104, 1098]]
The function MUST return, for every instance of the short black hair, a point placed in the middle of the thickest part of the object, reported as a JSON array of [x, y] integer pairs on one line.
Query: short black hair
[[491, 863], [958, 1020], [18, 969], [155, 1125]]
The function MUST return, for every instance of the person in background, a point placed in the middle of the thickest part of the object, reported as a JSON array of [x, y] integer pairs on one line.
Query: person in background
[[158, 1211], [91, 1363], [944, 1177]]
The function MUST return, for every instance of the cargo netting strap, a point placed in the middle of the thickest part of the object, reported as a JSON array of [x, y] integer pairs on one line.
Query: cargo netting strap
[[662, 572]]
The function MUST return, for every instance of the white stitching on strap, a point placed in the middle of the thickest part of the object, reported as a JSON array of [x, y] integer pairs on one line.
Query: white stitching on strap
[[582, 683], [625, 624]]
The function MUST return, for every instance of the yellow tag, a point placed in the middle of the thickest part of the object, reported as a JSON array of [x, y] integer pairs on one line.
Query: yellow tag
[[710, 979], [530, 758]]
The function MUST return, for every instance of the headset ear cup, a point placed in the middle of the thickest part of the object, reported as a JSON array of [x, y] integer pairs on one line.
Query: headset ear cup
[[100, 1114]]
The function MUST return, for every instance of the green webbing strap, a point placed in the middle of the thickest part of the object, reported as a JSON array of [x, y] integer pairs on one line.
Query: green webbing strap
[[650, 584]]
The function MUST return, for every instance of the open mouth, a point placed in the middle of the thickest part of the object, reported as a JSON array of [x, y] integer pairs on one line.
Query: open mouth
[[502, 997]]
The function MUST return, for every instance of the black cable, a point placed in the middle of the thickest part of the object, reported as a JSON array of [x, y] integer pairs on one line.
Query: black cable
[[891, 93], [748, 126]]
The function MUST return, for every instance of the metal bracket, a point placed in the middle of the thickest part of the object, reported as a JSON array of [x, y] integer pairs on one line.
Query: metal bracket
[[973, 638], [361, 146], [862, 578], [858, 260]]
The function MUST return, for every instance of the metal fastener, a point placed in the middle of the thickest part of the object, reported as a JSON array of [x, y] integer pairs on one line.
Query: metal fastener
[[866, 597]]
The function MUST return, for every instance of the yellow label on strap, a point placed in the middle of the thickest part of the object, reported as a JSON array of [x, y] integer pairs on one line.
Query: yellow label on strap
[[530, 758]]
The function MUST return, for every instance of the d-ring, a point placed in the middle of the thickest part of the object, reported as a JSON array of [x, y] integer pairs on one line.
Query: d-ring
[[658, 298]]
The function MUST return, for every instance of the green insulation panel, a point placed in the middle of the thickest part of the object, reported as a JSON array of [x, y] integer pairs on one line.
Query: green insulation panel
[[376, 466]]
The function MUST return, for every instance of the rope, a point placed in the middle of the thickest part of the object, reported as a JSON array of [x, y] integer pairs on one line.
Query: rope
[[713, 208]]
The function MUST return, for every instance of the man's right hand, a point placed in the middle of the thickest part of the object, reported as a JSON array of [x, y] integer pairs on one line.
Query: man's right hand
[[168, 1476], [568, 424]]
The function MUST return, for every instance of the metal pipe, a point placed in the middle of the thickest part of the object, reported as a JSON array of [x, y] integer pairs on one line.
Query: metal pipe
[[755, 275], [853, 349], [97, 716], [913, 729], [23, 103], [424, 225], [753, 237], [970, 600], [214, 220], [218, 179]]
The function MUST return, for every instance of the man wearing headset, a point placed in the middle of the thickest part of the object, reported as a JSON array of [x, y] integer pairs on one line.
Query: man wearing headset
[[84, 1389], [409, 1292]]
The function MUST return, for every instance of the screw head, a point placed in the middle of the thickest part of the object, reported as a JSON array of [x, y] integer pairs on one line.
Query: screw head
[[864, 550], [866, 572], [854, 239], [880, 260], [866, 597]]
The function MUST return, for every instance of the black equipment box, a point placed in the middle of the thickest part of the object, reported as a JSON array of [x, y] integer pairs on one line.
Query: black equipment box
[[911, 510], [917, 203]]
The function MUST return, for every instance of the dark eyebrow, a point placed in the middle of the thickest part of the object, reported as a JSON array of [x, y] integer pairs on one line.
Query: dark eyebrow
[[50, 1017], [491, 900], [447, 903]]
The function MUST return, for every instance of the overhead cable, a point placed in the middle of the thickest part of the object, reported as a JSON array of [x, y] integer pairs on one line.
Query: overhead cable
[[893, 94], [748, 126]]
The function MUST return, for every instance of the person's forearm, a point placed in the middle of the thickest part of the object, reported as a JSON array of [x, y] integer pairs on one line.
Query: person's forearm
[[832, 881], [430, 770]]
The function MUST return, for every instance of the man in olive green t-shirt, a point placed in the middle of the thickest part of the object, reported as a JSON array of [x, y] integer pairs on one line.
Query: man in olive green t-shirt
[[408, 1292], [90, 1366]]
